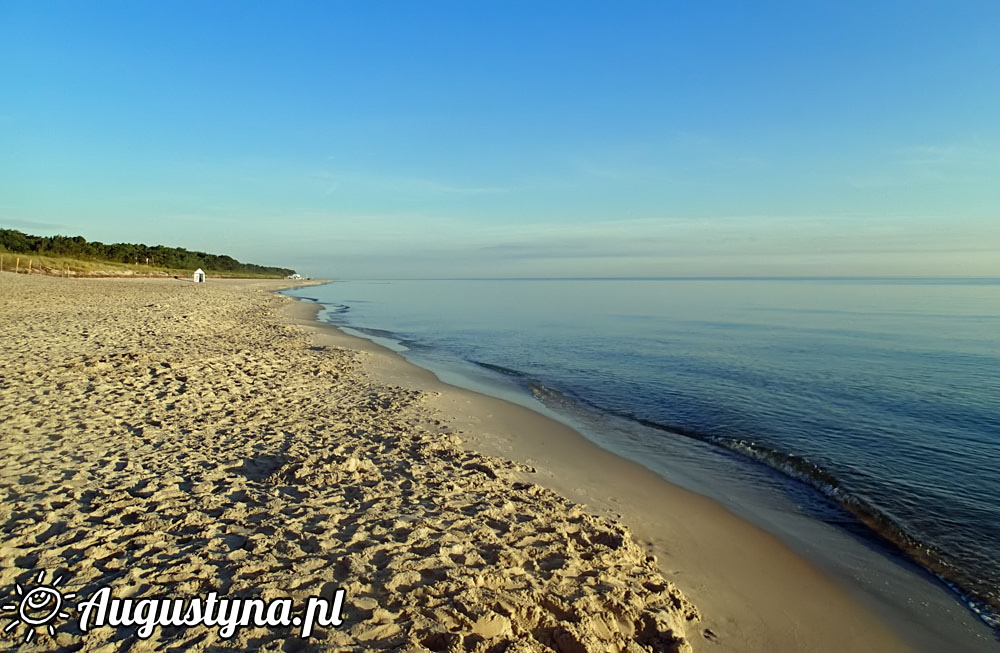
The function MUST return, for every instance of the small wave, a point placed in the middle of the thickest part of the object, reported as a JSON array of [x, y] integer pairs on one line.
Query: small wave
[[980, 597], [502, 370], [378, 333]]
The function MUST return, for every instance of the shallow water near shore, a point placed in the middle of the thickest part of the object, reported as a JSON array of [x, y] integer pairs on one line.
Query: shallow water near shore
[[856, 419]]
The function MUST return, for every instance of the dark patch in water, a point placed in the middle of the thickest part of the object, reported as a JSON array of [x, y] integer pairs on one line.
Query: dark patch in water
[[502, 370]]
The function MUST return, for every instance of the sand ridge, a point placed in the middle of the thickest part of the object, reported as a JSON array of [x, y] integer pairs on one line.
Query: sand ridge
[[167, 438]]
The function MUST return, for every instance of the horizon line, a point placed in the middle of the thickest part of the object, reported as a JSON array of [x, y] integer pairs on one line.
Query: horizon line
[[693, 278]]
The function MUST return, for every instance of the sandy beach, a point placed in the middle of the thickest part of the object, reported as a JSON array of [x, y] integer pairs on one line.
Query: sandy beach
[[168, 439]]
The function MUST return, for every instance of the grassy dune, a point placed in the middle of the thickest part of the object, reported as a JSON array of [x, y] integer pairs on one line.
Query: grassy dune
[[71, 267]]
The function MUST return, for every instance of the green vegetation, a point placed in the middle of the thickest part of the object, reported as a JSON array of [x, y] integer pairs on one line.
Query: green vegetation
[[76, 254]]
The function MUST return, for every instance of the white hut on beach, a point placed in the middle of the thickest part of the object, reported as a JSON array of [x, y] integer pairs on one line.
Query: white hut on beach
[[199, 276]]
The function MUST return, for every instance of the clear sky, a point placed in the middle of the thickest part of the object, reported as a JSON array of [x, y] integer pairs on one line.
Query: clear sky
[[514, 138]]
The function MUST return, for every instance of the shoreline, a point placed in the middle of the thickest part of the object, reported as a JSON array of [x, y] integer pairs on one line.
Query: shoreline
[[754, 593], [186, 438], [924, 609]]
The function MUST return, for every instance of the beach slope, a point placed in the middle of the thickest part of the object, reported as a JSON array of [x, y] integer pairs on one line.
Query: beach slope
[[172, 440]]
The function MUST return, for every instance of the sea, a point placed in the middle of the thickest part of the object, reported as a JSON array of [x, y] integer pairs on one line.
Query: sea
[[857, 419]]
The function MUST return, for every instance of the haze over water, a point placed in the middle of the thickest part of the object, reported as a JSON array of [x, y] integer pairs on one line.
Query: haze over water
[[880, 395]]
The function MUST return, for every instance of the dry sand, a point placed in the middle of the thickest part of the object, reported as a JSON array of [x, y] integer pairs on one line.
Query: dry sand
[[169, 439]]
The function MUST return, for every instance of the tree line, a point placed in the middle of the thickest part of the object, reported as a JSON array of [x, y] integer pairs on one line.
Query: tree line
[[178, 258]]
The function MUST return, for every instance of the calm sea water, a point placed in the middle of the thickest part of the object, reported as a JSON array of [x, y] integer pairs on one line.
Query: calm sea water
[[878, 400]]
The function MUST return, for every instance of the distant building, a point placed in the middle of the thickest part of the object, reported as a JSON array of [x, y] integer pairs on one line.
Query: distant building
[[199, 276], [295, 275]]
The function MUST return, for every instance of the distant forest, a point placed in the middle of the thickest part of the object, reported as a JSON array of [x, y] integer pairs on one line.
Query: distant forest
[[159, 256]]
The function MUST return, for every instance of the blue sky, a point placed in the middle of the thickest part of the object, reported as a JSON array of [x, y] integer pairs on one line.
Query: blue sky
[[414, 139]]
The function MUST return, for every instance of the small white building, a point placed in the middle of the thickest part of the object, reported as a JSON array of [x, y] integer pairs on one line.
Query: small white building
[[294, 276], [199, 276]]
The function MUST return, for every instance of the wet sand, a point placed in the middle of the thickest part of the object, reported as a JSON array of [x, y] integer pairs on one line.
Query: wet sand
[[171, 439]]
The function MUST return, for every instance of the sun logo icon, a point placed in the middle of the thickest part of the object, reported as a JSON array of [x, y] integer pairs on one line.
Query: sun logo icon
[[38, 607]]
